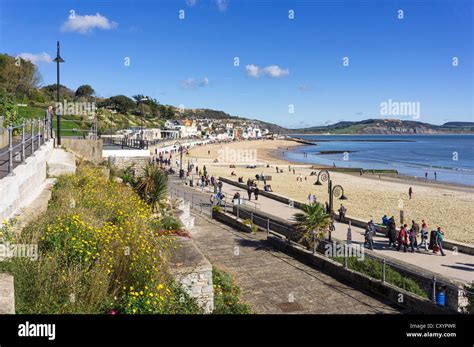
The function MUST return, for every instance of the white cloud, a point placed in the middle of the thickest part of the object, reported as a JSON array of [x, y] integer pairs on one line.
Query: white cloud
[[191, 3], [85, 24], [193, 83], [252, 70], [222, 5], [273, 71], [36, 58]]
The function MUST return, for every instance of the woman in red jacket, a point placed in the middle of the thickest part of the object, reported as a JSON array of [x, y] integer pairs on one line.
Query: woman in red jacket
[[402, 238]]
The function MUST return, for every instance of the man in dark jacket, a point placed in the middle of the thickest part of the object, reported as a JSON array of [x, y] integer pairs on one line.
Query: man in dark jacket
[[256, 191], [392, 233], [415, 230]]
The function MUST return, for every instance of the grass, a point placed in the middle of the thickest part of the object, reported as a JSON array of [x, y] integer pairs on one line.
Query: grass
[[68, 123], [31, 112]]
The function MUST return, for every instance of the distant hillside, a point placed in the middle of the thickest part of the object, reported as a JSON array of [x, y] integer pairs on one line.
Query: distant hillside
[[389, 126]]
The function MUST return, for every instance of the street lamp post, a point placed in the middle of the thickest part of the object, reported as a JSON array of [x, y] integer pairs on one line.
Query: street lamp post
[[58, 60], [333, 192], [323, 176], [180, 148], [181, 172]]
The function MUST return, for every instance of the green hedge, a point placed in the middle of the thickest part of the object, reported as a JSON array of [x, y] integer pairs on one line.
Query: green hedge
[[373, 268]]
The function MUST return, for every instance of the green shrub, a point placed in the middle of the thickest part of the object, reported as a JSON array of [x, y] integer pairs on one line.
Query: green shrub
[[227, 295], [98, 247], [128, 177], [168, 223], [373, 268]]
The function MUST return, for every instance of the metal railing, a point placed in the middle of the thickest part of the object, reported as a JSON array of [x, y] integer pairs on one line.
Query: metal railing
[[431, 285], [212, 189], [126, 142], [34, 133], [197, 202]]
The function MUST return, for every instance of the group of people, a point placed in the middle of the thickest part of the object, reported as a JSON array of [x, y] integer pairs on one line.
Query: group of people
[[408, 237], [252, 189], [160, 159]]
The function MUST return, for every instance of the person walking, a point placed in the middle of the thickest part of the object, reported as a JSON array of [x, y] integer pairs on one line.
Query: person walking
[[402, 238], [48, 120], [426, 175], [256, 191], [412, 239], [249, 192], [415, 227], [439, 241], [349, 234], [342, 213], [436, 176], [392, 237], [410, 192], [424, 235], [369, 233]]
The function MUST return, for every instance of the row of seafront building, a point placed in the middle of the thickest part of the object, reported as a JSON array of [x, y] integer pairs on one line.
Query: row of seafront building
[[197, 128]]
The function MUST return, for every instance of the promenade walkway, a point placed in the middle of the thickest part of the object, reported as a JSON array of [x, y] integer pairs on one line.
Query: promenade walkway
[[458, 266], [273, 282]]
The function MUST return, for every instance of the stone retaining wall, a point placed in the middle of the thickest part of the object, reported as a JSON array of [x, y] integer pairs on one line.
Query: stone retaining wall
[[25, 183], [7, 294], [122, 163], [87, 149], [194, 272]]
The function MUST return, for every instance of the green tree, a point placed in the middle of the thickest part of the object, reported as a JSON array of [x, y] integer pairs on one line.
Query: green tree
[[50, 92], [153, 186], [9, 110], [122, 103], [85, 91], [313, 222], [18, 76]]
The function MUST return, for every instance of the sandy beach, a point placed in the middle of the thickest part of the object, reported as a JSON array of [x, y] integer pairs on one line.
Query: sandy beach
[[369, 197]]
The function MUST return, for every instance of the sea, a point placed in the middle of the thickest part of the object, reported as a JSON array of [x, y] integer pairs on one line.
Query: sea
[[450, 156]]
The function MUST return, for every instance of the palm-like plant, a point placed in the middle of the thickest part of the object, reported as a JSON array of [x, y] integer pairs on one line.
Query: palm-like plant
[[153, 186], [313, 221]]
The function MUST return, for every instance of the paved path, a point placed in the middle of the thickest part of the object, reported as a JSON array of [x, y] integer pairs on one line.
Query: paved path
[[273, 282], [458, 266]]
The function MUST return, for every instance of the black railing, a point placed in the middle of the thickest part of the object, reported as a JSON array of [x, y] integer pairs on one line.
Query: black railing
[[33, 133], [126, 142]]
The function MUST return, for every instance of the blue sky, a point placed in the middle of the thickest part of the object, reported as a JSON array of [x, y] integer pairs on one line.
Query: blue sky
[[283, 61]]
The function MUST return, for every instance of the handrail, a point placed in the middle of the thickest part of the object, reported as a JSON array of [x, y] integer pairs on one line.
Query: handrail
[[40, 133]]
